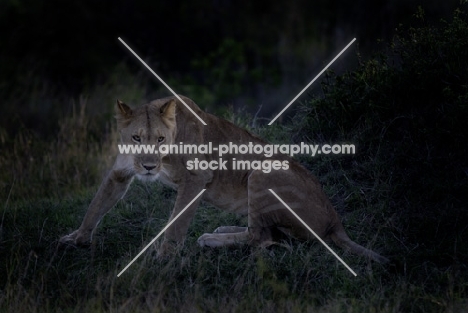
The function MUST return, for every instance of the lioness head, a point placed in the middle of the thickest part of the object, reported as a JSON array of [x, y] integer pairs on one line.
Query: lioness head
[[153, 124]]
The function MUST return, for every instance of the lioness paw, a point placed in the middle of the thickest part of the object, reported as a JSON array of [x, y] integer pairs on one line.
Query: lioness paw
[[229, 229], [166, 250], [210, 240], [75, 238]]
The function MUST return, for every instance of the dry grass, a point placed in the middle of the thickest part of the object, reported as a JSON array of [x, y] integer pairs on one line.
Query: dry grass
[[36, 276]]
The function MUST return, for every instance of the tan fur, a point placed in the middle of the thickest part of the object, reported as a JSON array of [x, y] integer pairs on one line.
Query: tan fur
[[242, 191]]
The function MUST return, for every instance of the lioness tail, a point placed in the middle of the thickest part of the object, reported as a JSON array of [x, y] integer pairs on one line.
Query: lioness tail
[[341, 239]]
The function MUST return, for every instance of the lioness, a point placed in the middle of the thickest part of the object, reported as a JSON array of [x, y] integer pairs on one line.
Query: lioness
[[167, 121]]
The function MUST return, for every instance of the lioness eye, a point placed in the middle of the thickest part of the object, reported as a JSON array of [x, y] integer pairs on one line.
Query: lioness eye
[[136, 138], [160, 139]]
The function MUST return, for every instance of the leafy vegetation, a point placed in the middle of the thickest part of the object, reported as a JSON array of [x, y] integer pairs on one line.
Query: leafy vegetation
[[406, 111], [404, 194]]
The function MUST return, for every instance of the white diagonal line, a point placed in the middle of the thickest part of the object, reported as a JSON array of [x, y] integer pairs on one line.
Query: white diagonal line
[[160, 79], [308, 85], [313, 233], [161, 232]]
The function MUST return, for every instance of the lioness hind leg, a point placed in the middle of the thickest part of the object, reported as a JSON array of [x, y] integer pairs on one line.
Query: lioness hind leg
[[229, 229], [224, 239]]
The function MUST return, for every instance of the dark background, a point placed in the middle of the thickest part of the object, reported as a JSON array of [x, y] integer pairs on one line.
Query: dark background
[[220, 53]]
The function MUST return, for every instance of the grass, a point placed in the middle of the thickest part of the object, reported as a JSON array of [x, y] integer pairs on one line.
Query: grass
[[39, 277]]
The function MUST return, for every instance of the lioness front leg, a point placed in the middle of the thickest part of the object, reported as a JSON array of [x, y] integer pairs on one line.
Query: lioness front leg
[[186, 192], [112, 189]]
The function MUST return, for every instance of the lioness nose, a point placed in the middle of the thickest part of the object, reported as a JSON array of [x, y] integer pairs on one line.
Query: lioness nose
[[149, 167]]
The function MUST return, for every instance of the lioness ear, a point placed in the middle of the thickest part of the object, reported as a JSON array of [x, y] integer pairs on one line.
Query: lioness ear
[[168, 109], [123, 110]]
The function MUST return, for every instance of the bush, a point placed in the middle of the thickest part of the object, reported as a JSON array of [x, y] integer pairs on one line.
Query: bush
[[406, 111]]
